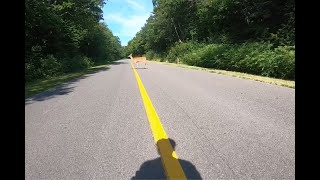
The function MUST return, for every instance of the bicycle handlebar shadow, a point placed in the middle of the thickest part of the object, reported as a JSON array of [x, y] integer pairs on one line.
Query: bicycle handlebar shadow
[[153, 169]]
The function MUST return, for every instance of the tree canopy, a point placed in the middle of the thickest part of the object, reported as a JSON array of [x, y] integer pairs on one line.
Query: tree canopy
[[215, 21], [66, 35]]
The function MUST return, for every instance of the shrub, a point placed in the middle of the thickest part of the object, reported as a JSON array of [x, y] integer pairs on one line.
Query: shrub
[[253, 58], [76, 63], [179, 49], [150, 55], [41, 67]]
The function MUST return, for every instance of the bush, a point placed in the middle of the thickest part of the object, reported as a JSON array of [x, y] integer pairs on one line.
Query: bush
[[278, 62], [179, 49], [150, 55], [283, 63], [253, 58], [210, 56], [76, 63], [41, 67], [159, 57], [51, 66]]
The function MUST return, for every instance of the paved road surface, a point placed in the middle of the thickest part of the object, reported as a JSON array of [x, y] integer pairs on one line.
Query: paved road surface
[[96, 127]]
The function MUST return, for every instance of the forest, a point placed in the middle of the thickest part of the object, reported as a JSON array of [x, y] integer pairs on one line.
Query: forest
[[64, 36], [250, 36]]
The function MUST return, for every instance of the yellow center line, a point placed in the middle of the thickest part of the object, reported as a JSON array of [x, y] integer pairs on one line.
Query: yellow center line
[[169, 158]]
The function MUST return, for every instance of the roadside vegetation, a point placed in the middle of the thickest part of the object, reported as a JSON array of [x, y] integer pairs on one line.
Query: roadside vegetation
[[255, 37], [63, 38]]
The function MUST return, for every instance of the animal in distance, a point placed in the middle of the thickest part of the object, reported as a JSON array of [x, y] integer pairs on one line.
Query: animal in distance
[[138, 59]]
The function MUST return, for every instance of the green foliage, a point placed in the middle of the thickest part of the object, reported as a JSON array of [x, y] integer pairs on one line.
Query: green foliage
[[101, 46], [254, 58], [216, 21], [208, 56], [150, 55], [76, 63], [253, 36], [64, 36], [177, 51], [136, 46], [42, 67]]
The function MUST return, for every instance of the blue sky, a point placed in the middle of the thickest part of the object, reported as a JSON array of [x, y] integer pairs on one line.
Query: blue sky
[[126, 17]]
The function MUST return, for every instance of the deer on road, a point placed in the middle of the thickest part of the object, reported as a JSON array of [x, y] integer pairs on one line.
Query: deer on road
[[138, 59]]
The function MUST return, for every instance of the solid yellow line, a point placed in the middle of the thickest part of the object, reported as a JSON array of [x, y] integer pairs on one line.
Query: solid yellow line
[[170, 161]]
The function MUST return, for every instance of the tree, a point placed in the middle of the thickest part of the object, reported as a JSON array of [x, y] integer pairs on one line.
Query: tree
[[65, 35]]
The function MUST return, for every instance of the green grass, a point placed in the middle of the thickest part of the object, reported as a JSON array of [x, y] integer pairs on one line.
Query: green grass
[[280, 82], [41, 85]]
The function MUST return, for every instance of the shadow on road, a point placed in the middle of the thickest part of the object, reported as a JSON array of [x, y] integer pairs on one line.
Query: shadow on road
[[63, 89], [153, 169], [117, 62], [68, 87], [139, 68]]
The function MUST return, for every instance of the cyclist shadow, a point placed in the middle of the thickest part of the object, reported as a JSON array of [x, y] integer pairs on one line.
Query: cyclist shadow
[[153, 169]]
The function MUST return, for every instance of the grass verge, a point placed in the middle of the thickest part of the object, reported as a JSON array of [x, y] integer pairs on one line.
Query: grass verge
[[41, 85]]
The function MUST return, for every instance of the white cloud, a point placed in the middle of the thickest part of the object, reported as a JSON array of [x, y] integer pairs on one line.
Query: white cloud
[[136, 5], [128, 18], [129, 25]]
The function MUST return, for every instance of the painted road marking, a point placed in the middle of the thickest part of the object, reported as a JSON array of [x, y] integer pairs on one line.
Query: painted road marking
[[169, 158]]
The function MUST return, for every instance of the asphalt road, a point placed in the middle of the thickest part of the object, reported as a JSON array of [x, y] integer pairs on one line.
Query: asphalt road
[[224, 127]]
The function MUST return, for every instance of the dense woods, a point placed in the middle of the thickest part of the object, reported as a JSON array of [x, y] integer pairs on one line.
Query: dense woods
[[251, 36], [63, 36]]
